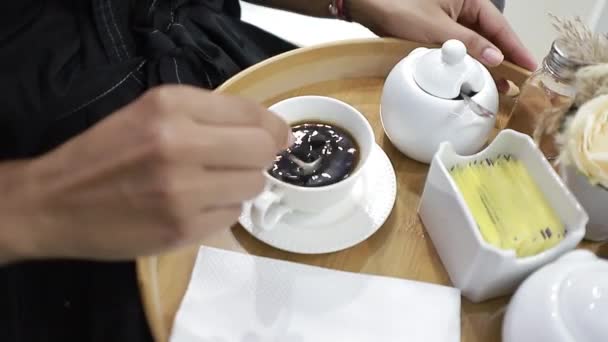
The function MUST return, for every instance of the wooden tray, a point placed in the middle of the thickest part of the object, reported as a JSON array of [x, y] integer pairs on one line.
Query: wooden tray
[[352, 71]]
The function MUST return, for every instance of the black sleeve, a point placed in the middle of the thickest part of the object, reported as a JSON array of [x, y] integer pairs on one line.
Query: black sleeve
[[65, 65]]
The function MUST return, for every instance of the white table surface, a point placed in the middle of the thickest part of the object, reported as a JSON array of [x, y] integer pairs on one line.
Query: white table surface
[[528, 18], [301, 30]]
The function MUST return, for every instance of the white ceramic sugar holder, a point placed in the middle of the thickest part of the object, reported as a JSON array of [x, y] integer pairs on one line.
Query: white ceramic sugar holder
[[480, 270]]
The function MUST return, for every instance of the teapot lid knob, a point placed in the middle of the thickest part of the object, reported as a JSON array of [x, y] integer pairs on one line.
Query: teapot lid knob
[[453, 52], [444, 72]]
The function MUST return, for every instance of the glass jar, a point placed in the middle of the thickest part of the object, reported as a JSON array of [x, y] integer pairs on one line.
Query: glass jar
[[544, 99]]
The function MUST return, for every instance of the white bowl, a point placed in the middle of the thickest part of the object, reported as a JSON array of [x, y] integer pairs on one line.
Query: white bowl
[[593, 198], [480, 270], [565, 301]]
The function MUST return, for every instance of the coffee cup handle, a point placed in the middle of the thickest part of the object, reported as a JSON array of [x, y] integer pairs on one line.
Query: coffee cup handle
[[267, 210]]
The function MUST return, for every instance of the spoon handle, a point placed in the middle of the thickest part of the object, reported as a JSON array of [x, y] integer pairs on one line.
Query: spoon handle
[[476, 107]]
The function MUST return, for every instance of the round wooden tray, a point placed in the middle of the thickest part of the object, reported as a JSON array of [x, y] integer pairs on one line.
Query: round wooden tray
[[352, 71]]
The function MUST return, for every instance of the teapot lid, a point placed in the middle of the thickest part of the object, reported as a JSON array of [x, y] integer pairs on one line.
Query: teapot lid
[[447, 71]]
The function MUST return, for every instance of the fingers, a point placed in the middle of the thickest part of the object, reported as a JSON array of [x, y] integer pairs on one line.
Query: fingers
[[492, 25], [477, 46], [502, 86], [235, 111], [209, 190], [212, 109], [233, 148], [207, 222], [225, 188], [507, 88], [183, 193]]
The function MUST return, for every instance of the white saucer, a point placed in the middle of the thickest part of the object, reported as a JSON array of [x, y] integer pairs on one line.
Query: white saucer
[[344, 225]]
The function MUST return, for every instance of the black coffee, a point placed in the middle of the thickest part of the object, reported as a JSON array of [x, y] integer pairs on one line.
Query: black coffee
[[337, 150]]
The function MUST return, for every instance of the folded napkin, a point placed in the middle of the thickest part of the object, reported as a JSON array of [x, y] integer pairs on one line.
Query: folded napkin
[[243, 298]]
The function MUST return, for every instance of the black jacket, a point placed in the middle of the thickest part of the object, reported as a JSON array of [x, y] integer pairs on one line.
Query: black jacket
[[66, 64]]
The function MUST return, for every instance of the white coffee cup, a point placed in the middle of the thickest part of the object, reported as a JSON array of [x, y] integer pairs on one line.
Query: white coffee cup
[[281, 198]]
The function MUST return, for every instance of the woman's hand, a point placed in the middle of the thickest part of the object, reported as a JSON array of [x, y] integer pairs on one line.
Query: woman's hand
[[477, 23], [167, 170]]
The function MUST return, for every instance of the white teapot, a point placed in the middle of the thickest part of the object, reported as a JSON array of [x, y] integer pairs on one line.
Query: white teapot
[[421, 104], [565, 301]]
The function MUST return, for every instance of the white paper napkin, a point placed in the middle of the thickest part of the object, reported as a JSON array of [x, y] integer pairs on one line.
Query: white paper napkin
[[242, 298]]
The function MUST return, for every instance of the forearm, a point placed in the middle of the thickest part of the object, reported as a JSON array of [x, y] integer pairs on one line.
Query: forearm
[[17, 213]]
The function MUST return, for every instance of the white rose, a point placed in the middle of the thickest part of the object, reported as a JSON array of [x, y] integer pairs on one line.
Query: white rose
[[586, 141]]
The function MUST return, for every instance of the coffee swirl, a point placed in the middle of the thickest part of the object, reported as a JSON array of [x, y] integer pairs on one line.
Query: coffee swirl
[[337, 150]]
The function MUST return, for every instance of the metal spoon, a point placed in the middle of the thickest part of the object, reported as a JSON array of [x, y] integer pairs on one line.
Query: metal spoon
[[307, 168], [476, 107]]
